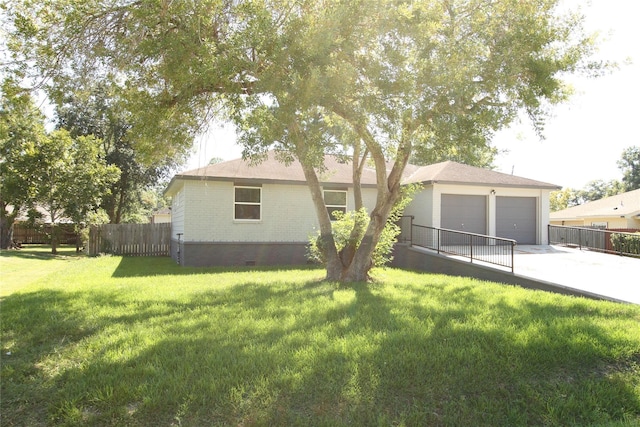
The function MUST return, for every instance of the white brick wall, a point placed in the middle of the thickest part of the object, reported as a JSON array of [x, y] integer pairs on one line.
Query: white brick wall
[[203, 211], [177, 214], [288, 214]]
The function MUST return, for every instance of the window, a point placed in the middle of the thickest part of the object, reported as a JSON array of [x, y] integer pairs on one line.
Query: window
[[335, 200], [247, 203]]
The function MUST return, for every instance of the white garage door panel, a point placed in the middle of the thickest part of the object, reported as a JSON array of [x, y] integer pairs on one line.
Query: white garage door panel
[[516, 219]]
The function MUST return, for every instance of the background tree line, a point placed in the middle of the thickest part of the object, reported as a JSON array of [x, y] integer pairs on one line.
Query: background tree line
[[85, 170], [629, 165]]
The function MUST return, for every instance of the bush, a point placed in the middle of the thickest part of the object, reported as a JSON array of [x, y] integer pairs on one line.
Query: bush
[[626, 243], [344, 223], [342, 227]]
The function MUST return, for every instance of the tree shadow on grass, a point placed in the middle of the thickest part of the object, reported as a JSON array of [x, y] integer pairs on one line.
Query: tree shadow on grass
[[157, 266], [42, 252], [312, 353]]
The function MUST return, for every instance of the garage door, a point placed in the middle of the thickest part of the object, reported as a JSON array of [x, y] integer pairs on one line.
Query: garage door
[[464, 213], [516, 219]]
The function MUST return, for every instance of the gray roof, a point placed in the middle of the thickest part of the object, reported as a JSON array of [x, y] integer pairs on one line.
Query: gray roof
[[621, 205], [271, 169], [457, 173], [339, 173]]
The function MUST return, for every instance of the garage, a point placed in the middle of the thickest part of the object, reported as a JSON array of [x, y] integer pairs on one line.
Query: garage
[[516, 219], [464, 213]]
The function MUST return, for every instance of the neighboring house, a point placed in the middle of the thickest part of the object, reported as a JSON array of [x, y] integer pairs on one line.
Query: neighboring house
[[26, 232], [160, 216], [621, 211], [236, 213]]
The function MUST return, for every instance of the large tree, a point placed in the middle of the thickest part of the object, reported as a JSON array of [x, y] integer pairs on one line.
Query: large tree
[[629, 164], [439, 74], [371, 79], [70, 178], [98, 112], [21, 131]]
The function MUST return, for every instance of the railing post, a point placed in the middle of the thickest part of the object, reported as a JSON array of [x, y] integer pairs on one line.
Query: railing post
[[411, 230], [580, 238], [513, 245], [179, 248], [471, 247], [438, 231]]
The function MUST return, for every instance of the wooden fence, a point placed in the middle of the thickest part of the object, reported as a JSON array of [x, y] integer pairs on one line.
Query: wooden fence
[[24, 234], [130, 239]]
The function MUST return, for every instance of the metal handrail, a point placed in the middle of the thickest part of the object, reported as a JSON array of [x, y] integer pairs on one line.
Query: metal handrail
[[478, 247], [589, 238]]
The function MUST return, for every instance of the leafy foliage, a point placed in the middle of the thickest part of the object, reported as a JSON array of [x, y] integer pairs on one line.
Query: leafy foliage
[[342, 226], [310, 78], [629, 164], [21, 132], [100, 113], [345, 223], [599, 189], [626, 243], [64, 175], [71, 177]]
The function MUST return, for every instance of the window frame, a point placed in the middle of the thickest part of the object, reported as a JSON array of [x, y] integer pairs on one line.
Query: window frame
[[342, 208], [236, 203]]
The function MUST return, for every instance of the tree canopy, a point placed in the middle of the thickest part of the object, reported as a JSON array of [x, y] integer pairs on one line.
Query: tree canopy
[[70, 178], [64, 175], [369, 79], [97, 111], [629, 164], [21, 131]]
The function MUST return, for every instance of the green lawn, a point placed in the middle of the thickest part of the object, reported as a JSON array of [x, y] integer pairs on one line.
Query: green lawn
[[141, 342], [15, 274]]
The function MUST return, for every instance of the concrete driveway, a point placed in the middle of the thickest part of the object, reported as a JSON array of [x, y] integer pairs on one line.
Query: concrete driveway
[[607, 275]]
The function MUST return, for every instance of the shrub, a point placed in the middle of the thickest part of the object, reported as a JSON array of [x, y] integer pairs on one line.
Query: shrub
[[342, 227], [626, 243], [344, 223]]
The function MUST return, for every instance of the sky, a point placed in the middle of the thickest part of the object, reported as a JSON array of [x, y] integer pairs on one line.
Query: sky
[[584, 138]]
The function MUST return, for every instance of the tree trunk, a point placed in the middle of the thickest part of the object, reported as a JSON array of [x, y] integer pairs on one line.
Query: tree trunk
[[54, 238], [362, 262], [334, 265], [78, 238], [6, 233], [119, 207], [6, 225], [348, 252], [389, 192], [54, 216]]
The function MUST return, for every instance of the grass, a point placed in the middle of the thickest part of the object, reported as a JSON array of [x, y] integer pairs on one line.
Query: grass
[[141, 341], [15, 274]]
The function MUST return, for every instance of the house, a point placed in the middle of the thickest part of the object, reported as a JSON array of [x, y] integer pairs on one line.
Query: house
[[37, 228], [621, 211], [237, 213], [160, 216]]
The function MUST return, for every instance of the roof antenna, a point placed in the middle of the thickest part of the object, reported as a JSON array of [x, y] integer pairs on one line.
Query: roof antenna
[[512, 167]]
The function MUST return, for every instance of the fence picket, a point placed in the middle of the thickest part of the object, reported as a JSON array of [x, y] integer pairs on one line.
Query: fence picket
[[130, 239]]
